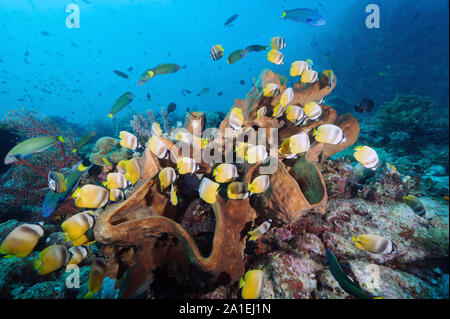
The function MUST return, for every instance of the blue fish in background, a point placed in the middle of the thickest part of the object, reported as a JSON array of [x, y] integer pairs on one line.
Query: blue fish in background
[[53, 200], [305, 15]]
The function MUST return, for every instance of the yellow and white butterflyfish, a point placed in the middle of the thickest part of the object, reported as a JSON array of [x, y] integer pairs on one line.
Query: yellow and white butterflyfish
[[91, 196], [133, 170], [186, 165], [367, 156], [329, 133], [77, 254], [261, 112], [86, 239], [158, 147], [96, 276], [128, 140], [121, 167], [275, 57], [312, 110], [309, 76], [295, 114], [167, 177], [260, 230], [51, 258], [236, 118], [278, 110], [183, 136], [225, 173], [116, 180], [285, 149], [373, 243], [287, 97], [299, 143], [173, 195], [77, 225], [242, 149], [256, 154], [277, 43], [21, 241], [199, 142], [237, 190], [252, 284], [116, 195], [298, 67], [271, 89], [259, 185], [156, 129], [208, 190]]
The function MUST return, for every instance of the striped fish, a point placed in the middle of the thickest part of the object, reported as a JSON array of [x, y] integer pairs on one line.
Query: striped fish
[[216, 52], [277, 43]]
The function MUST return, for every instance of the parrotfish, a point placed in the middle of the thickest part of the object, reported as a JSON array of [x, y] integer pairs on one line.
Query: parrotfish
[[120, 103], [159, 69], [236, 56], [30, 146], [305, 15], [84, 141]]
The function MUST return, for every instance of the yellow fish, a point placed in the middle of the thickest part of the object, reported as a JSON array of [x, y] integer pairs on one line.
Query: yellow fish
[[51, 258], [309, 76], [367, 156], [21, 241], [225, 173], [242, 150], [312, 110], [299, 143], [76, 225], [237, 190], [252, 284], [259, 185], [133, 170], [186, 165], [373, 243], [166, 177], [128, 140], [96, 276], [156, 129], [116, 195], [260, 230], [236, 118], [261, 112], [157, 146], [295, 114], [329, 133], [415, 204], [298, 67], [173, 195], [208, 190], [278, 110], [287, 97], [77, 254], [256, 154], [116, 180], [91, 196], [275, 57], [271, 89]]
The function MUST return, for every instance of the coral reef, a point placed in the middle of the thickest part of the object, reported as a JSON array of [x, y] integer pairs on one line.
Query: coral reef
[[142, 126], [143, 235], [108, 148], [24, 181]]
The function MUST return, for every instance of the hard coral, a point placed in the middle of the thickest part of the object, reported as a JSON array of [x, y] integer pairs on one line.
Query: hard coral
[[144, 235]]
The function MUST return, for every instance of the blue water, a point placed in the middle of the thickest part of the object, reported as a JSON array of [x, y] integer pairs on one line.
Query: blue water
[[67, 73]]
